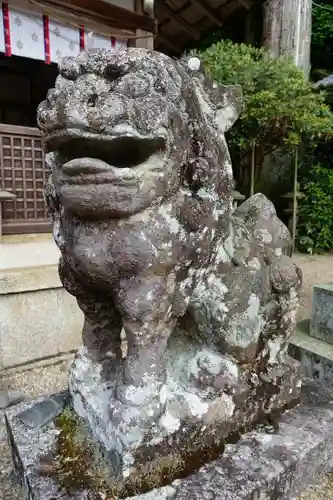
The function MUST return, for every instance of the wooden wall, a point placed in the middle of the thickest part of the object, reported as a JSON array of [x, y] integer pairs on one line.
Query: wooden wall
[[23, 85]]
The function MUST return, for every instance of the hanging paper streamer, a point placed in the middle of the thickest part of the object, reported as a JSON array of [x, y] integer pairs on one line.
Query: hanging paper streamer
[[64, 41], [96, 41], [26, 34], [37, 36], [120, 44]]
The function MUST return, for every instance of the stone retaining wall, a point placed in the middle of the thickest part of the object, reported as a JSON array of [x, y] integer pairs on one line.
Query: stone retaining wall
[[38, 318]]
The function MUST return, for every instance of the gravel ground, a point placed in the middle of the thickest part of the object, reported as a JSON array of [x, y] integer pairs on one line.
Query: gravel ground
[[32, 383], [48, 379]]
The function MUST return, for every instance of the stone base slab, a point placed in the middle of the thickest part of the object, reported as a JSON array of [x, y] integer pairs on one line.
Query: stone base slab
[[196, 416], [314, 355], [261, 465]]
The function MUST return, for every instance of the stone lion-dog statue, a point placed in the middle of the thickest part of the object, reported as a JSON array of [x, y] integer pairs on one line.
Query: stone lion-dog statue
[[141, 198]]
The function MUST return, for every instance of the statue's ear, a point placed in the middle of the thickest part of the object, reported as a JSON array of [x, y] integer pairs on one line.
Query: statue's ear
[[222, 104]]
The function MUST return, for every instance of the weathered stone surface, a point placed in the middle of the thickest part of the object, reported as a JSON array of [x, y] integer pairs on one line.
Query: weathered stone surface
[[314, 355], [321, 325], [141, 198], [10, 398], [279, 465], [261, 465], [42, 413], [207, 396], [39, 319], [3, 433]]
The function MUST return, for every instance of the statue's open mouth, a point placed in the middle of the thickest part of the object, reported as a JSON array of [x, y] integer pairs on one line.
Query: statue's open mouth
[[92, 157]]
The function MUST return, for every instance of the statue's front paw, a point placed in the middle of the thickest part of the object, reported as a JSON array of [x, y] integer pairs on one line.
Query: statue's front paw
[[150, 396]]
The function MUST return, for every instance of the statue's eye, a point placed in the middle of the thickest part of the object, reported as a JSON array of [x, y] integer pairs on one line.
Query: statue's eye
[[160, 87], [113, 72]]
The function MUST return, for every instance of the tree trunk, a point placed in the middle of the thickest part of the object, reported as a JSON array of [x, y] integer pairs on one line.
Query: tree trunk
[[250, 26], [273, 13], [287, 30], [253, 169], [294, 226]]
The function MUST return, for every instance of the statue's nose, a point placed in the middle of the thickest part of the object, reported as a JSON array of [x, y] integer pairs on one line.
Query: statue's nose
[[113, 71]]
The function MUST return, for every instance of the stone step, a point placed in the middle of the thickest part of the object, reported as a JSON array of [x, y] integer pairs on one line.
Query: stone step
[[19, 255], [316, 356], [25, 238], [321, 325]]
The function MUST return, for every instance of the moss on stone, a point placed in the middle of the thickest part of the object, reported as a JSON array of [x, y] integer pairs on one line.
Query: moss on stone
[[79, 463], [74, 463]]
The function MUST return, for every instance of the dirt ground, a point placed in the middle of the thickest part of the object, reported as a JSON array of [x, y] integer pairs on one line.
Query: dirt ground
[[316, 269]]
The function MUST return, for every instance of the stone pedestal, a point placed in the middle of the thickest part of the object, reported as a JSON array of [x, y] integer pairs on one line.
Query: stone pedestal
[[207, 397], [321, 325], [264, 463], [134, 453], [312, 342], [314, 355]]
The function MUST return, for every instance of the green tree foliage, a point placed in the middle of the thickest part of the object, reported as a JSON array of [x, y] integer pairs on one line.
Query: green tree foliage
[[322, 39], [280, 110], [315, 228]]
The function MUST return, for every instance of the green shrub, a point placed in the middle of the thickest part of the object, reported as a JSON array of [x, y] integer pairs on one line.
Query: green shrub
[[280, 110], [315, 228], [321, 40]]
